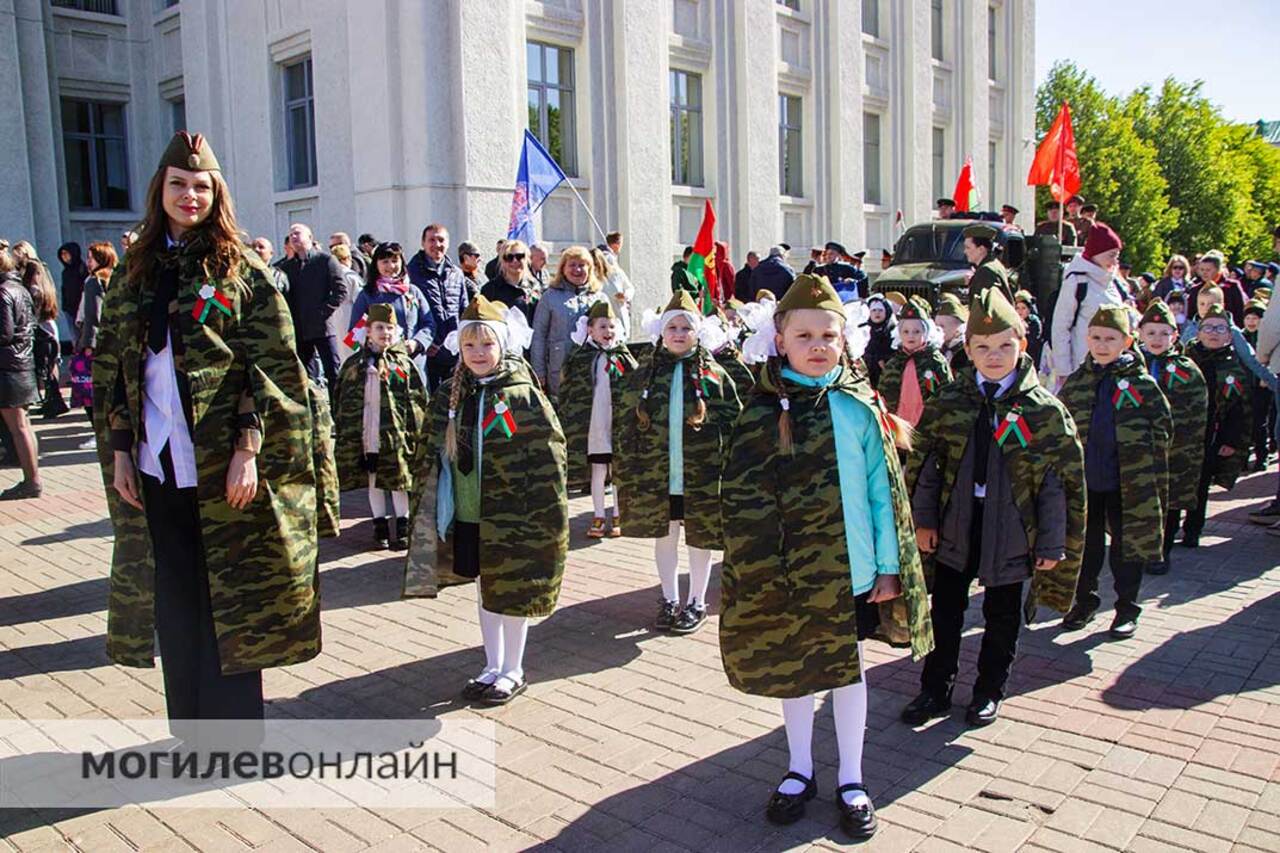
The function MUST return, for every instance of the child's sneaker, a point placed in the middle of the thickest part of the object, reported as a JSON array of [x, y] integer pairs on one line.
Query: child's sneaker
[[597, 530], [616, 530]]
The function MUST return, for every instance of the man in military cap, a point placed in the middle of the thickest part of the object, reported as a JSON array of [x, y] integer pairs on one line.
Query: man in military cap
[[847, 278], [997, 481], [982, 250], [946, 207], [1008, 213], [1053, 210]]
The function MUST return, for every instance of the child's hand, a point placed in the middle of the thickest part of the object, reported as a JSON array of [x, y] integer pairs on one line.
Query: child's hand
[[887, 588], [926, 540], [1043, 565], [1225, 451]]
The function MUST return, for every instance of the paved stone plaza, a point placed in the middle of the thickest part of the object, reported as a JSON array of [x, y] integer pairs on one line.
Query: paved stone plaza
[[627, 740]]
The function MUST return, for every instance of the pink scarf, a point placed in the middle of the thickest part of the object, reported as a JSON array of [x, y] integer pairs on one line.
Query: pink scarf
[[910, 402], [392, 285]]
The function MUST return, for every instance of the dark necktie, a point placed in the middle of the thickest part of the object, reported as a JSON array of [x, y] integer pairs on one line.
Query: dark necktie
[[162, 299], [983, 433]]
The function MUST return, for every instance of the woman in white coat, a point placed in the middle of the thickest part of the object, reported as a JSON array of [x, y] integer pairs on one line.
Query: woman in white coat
[[1089, 282]]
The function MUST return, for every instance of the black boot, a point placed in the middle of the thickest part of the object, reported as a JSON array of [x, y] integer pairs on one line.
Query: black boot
[[401, 541], [381, 535]]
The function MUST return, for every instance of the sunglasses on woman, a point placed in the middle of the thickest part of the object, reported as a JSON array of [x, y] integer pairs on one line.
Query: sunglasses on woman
[[510, 258]]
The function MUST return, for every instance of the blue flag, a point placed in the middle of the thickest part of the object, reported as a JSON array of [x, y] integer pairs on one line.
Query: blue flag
[[537, 176]]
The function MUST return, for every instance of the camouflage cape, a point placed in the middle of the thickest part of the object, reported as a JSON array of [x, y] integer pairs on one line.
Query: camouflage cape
[[524, 508], [577, 390], [640, 455], [990, 273], [730, 358], [403, 402], [1233, 421], [1143, 433], [945, 431], [928, 360], [1190, 409], [261, 561], [788, 624], [328, 512]]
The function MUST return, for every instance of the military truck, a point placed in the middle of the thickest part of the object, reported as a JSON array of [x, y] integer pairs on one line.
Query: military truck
[[928, 260]]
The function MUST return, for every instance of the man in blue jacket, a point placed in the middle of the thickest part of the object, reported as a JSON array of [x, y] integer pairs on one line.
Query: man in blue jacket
[[444, 288]]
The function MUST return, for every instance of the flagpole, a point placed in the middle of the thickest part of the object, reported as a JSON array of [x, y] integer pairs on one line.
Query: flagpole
[[599, 230]]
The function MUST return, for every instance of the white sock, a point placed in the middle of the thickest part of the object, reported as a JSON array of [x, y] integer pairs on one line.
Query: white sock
[[377, 500], [599, 473], [797, 717], [664, 554], [491, 635], [515, 631], [699, 575], [849, 706], [400, 501]]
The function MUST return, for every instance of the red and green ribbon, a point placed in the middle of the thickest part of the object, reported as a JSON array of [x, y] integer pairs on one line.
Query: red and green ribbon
[[207, 299], [501, 417], [1133, 395], [1177, 374], [1016, 425], [930, 382], [355, 337], [400, 373], [708, 377], [617, 366], [1230, 387]]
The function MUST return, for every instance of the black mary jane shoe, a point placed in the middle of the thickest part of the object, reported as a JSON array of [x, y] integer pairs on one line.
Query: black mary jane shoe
[[400, 542], [475, 689], [785, 809], [857, 821], [498, 695], [381, 534]]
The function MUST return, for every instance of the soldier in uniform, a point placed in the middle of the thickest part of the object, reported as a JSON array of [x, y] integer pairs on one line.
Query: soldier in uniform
[[997, 479], [591, 384], [982, 250], [845, 276], [669, 455], [951, 317], [917, 370], [813, 465], [1183, 386], [381, 401], [946, 207], [1125, 426], [1050, 226], [1226, 438], [490, 493], [1008, 213], [205, 430]]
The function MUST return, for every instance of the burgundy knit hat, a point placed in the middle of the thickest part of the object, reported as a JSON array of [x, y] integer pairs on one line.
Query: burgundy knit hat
[[1101, 239]]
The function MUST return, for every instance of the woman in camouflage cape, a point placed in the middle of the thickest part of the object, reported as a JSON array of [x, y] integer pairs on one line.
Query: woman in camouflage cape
[[241, 387]]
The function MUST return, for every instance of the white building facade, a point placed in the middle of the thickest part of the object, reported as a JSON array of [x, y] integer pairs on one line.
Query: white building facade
[[801, 120]]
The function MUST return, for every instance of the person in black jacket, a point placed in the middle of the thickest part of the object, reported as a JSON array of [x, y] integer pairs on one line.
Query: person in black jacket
[[1025, 304], [772, 274], [317, 287], [447, 294], [514, 286], [74, 272], [742, 279], [18, 375]]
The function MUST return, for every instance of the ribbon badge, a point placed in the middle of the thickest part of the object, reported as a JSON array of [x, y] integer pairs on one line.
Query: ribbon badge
[[616, 367], [1125, 392], [501, 417], [1177, 374], [885, 424], [1230, 388], [930, 382], [1016, 425], [707, 377], [400, 373], [209, 298], [355, 338]]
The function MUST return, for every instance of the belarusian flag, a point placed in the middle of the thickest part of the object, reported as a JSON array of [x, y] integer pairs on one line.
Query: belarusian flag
[[702, 264], [966, 194]]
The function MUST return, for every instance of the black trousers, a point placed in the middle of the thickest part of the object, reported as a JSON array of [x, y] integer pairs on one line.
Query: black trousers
[[194, 686], [320, 357], [1172, 520], [1104, 512], [1263, 408], [439, 368], [1001, 611], [1194, 524]]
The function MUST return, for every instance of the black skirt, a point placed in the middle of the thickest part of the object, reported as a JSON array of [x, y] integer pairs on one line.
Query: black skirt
[[17, 388], [600, 458], [466, 549], [867, 614], [676, 505]]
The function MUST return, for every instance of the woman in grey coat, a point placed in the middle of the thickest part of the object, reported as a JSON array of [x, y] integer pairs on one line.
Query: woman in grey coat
[[569, 297]]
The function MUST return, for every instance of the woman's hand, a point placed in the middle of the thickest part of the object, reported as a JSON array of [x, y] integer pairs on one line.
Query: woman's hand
[[125, 480], [926, 540], [1044, 564], [242, 479], [887, 588]]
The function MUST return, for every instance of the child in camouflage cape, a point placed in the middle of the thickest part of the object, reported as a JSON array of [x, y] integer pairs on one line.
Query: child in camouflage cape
[[997, 480], [381, 404], [721, 340], [669, 451], [1183, 386], [951, 318], [1126, 427], [819, 551], [1229, 422], [917, 369], [591, 383], [490, 497]]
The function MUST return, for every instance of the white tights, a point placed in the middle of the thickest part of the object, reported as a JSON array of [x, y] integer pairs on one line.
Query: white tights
[[599, 491], [664, 553], [849, 707], [378, 501], [504, 639]]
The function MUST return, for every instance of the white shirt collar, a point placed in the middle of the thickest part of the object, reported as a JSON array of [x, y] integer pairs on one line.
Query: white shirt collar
[[1005, 384]]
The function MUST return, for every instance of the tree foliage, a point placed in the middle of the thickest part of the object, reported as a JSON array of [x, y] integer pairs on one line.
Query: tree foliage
[[1166, 170]]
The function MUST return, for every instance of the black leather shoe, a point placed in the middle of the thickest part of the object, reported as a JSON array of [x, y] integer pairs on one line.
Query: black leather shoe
[[1124, 627], [1190, 541], [1077, 618], [857, 821], [401, 540], [1160, 568], [924, 708], [667, 612], [381, 534], [789, 808], [982, 711], [1269, 514], [689, 620]]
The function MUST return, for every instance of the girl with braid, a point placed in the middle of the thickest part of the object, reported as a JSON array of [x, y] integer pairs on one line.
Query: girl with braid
[[676, 414], [820, 553]]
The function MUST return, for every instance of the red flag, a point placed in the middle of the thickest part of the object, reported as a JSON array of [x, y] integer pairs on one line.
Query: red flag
[[965, 194], [1055, 164], [702, 264]]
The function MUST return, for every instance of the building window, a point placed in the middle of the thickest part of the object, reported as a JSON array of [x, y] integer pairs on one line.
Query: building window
[[993, 157], [551, 113], [178, 114], [939, 162], [97, 156], [686, 129], [790, 4], [789, 146], [935, 28], [992, 43], [871, 159], [102, 7], [300, 124], [871, 17]]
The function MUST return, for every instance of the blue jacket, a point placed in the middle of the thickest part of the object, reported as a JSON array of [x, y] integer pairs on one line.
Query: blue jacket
[[415, 320], [446, 292], [770, 274]]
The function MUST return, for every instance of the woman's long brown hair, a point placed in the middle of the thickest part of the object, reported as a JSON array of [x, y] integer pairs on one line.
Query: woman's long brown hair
[[219, 229]]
